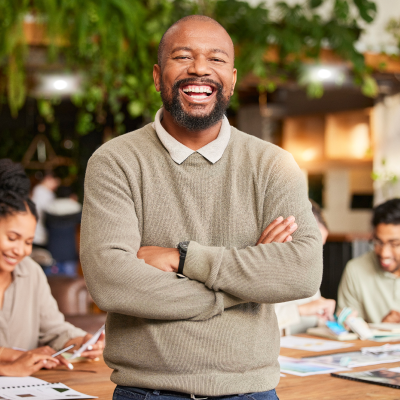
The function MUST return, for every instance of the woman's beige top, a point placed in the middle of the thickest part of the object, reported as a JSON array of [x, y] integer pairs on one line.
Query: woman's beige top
[[30, 315]]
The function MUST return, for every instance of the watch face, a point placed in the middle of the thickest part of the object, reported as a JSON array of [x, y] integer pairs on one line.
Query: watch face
[[184, 245]]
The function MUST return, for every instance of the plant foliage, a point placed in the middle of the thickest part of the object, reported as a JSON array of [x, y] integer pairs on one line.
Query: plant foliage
[[113, 43]]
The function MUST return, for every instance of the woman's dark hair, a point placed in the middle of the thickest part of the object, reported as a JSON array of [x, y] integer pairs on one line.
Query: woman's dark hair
[[387, 213], [316, 210], [14, 190]]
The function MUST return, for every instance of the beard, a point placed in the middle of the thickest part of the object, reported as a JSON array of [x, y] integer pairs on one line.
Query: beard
[[193, 122]]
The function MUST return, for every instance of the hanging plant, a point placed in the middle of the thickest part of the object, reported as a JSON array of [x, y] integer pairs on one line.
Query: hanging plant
[[113, 43]]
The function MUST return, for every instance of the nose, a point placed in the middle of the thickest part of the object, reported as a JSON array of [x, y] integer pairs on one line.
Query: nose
[[19, 249], [386, 250], [199, 67]]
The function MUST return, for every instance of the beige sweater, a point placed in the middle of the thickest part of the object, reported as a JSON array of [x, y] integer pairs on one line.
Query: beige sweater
[[30, 316], [215, 332]]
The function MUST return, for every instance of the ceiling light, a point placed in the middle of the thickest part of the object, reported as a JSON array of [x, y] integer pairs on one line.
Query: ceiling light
[[50, 85], [324, 74], [60, 84]]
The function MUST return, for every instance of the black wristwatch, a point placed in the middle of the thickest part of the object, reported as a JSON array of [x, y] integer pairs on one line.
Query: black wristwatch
[[183, 248]]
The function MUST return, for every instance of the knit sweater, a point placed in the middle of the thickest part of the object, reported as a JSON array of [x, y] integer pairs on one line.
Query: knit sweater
[[214, 332]]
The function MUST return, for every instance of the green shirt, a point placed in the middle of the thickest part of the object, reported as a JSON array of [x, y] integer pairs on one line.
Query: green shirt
[[214, 332], [365, 287]]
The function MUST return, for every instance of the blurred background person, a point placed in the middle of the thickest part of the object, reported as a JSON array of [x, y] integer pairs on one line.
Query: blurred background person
[[29, 315], [299, 315], [62, 217], [43, 195], [370, 283]]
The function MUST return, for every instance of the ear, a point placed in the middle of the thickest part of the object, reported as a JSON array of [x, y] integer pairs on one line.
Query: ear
[[157, 77], [234, 79]]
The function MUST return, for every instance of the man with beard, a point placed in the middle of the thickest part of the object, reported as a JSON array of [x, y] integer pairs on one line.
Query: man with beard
[[370, 283], [188, 235]]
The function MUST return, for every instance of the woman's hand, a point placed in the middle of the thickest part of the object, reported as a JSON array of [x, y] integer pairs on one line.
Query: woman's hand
[[48, 351], [27, 364], [93, 351]]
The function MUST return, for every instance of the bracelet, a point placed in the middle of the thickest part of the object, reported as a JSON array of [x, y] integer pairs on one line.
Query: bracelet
[[1, 350]]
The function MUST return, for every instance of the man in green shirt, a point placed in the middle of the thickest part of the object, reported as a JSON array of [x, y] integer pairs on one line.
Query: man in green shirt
[[371, 283]]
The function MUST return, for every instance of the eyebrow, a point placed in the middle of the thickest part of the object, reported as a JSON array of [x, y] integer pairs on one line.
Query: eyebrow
[[390, 240], [16, 233], [190, 49]]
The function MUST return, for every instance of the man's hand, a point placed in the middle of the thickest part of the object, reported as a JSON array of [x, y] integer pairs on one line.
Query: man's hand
[[278, 231], [27, 364], [321, 308], [165, 259], [93, 351], [393, 317]]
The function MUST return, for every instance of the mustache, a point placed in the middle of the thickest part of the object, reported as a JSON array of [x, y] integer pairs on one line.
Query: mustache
[[188, 81]]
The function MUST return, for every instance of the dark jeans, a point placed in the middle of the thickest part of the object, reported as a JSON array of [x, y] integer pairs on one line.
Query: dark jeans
[[129, 393]]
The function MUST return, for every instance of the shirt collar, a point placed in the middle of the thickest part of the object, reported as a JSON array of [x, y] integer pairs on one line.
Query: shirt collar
[[212, 151], [20, 270]]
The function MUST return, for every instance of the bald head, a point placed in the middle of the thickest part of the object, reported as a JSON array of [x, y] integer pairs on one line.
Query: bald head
[[189, 20]]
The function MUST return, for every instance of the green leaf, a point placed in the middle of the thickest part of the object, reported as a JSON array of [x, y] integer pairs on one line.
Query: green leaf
[[367, 9], [369, 86], [315, 3], [341, 9]]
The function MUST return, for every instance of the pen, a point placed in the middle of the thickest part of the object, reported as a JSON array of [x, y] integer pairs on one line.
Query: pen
[[63, 350]]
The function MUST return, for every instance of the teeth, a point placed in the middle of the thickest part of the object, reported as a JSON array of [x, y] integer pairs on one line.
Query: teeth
[[197, 89]]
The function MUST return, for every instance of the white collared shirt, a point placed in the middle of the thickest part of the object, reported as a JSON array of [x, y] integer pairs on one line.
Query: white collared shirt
[[212, 151]]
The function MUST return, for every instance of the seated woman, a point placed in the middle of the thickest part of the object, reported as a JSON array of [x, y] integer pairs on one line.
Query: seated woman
[[299, 315], [29, 315]]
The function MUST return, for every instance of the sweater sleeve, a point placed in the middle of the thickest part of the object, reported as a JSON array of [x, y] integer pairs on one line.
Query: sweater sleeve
[[118, 281], [54, 330], [274, 272]]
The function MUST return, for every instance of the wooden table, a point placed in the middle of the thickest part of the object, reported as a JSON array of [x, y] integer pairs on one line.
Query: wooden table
[[93, 378], [326, 387]]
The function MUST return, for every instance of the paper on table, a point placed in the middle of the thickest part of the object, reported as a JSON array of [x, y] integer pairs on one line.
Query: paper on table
[[301, 343], [300, 367], [354, 359], [9, 381], [91, 341], [13, 388]]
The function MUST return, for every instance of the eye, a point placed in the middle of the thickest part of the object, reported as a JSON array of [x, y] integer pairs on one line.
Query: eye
[[218, 60], [182, 58], [12, 239]]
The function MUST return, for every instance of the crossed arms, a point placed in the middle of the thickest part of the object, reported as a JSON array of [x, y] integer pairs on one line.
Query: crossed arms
[[125, 278]]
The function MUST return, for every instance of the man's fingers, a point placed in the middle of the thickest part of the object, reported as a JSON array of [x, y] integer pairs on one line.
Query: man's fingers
[[272, 225], [281, 232]]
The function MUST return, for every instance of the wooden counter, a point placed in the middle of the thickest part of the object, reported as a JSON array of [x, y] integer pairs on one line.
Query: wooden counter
[[93, 378]]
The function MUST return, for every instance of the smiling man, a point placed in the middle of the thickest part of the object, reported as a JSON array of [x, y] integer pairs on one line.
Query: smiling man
[[188, 235], [371, 283]]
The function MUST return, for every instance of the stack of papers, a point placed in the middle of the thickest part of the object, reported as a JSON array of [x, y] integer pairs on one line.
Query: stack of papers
[[385, 332], [301, 367], [355, 359]]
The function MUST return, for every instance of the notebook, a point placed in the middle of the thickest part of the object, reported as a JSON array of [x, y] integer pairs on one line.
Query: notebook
[[13, 388], [383, 377]]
